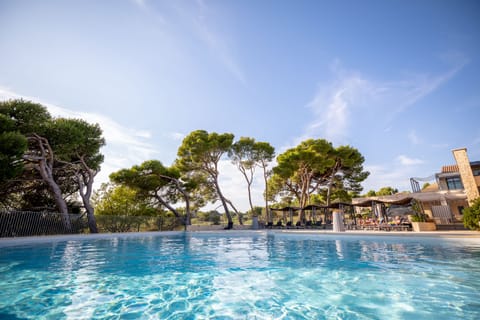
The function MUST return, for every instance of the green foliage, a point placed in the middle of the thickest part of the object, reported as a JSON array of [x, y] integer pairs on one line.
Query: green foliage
[[348, 171], [120, 200], [471, 216], [202, 151], [386, 191], [243, 154], [212, 217], [247, 154], [147, 178], [12, 148], [257, 211], [111, 223], [418, 218], [152, 180], [317, 199], [419, 215], [76, 139], [61, 157], [299, 168], [371, 193], [136, 223], [315, 165], [27, 117], [198, 158]]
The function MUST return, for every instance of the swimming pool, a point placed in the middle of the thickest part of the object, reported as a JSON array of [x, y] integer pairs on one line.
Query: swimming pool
[[243, 275]]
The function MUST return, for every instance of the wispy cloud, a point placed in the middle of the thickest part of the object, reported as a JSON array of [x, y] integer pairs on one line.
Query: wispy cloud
[[409, 91], [406, 161], [349, 94], [332, 106], [141, 3], [197, 19], [124, 146], [177, 136], [234, 186], [200, 18], [384, 176], [219, 48], [414, 139]]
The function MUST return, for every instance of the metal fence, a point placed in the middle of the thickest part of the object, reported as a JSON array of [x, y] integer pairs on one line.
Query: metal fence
[[31, 223]]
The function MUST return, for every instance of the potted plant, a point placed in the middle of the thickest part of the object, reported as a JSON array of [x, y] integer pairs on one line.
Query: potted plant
[[420, 221]]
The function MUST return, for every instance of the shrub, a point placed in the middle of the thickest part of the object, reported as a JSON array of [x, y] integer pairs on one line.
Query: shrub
[[418, 218], [471, 216]]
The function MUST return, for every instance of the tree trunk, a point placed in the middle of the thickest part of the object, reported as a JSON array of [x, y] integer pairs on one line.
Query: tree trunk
[[85, 187], [43, 163], [329, 192], [92, 222], [249, 189], [167, 205], [267, 212], [187, 209], [224, 204], [239, 214], [185, 197], [60, 202]]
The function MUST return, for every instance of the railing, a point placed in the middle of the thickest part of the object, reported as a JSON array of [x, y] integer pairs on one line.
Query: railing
[[31, 223]]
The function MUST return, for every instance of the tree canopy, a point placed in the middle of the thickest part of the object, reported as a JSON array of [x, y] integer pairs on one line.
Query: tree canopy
[[301, 170], [247, 154], [59, 154], [315, 165], [152, 180], [121, 200], [384, 191], [200, 154]]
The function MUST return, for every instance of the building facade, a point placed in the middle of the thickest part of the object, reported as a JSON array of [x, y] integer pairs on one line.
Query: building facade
[[456, 187]]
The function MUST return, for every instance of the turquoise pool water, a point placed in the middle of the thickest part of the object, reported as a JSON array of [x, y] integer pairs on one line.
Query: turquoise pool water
[[241, 276]]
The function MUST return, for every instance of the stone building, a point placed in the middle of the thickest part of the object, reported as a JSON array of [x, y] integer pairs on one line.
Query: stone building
[[456, 187]]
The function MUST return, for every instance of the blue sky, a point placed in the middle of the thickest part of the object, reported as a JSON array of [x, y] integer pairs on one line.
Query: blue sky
[[398, 80]]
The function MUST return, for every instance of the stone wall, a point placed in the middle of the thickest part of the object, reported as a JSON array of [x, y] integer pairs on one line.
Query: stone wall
[[468, 180]]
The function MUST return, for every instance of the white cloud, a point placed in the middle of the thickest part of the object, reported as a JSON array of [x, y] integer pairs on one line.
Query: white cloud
[[421, 85], [177, 136], [387, 176], [220, 49], [332, 106], [412, 136], [406, 161], [124, 146], [350, 94], [141, 3], [200, 19], [234, 187]]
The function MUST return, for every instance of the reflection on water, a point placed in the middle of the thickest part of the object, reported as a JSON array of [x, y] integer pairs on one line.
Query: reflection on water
[[231, 276]]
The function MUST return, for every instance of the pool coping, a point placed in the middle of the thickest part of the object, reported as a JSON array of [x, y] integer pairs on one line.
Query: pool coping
[[473, 235]]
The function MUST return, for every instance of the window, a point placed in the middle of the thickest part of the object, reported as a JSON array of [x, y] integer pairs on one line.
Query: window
[[460, 209], [454, 183], [476, 172]]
